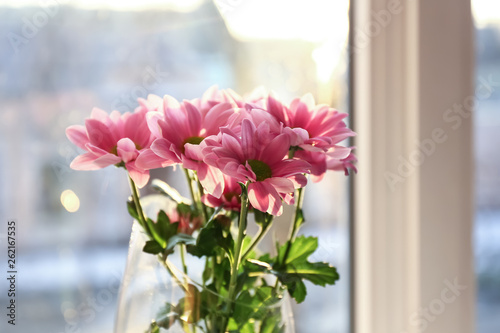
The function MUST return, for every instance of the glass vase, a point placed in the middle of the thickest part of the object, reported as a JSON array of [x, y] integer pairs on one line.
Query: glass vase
[[156, 296]]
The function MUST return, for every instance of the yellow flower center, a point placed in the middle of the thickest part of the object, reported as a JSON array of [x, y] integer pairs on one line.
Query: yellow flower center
[[194, 140], [262, 170], [114, 150]]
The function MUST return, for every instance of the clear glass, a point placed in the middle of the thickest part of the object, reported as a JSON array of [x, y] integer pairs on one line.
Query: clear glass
[[487, 158], [148, 286]]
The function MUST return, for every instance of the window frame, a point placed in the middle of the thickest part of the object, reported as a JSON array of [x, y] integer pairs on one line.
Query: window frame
[[411, 242]]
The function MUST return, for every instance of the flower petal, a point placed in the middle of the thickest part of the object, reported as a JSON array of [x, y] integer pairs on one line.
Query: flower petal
[[139, 176], [163, 148], [77, 134], [265, 198], [231, 147], [276, 108], [99, 114], [276, 150], [193, 116], [247, 139], [211, 179], [152, 119], [217, 117], [100, 135], [290, 167], [126, 150], [136, 128], [299, 180], [282, 185], [148, 160], [90, 161]]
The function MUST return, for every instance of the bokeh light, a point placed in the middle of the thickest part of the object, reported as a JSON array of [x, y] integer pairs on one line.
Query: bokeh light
[[70, 201]]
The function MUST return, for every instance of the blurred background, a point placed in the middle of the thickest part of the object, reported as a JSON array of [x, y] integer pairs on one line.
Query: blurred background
[[487, 155], [58, 59]]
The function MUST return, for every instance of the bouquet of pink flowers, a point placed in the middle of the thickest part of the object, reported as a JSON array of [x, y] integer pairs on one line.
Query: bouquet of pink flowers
[[240, 156]]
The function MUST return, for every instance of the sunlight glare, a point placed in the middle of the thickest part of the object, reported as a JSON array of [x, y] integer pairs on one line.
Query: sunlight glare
[[120, 5], [70, 201], [486, 12], [314, 20]]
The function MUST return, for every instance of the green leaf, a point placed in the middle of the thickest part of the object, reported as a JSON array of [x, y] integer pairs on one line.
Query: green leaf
[[256, 306], [132, 210], [232, 326], [180, 239], [152, 247], [272, 323], [212, 236], [247, 328], [164, 227], [297, 289], [242, 308], [209, 301], [185, 209], [208, 270], [267, 259], [301, 248], [153, 328], [247, 241], [156, 234], [222, 275], [319, 273], [159, 228]]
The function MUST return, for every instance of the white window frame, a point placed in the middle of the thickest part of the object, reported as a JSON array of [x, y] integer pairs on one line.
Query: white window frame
[[412, 84]]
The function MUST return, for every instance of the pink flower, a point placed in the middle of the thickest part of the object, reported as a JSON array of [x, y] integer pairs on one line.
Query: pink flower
[[324, 128], [112, 139], [179, 129], [257, 116], [230, 198], [152, 103], [258, 156], [214, 96], [188, 223], [342, 164]]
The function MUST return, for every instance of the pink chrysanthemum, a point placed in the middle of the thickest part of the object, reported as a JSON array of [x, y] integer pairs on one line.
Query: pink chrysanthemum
[[214, 96], [344, 164], [188, 223], [179, 129], [258, 156], [325, 129], [230, 198], [112, 139]]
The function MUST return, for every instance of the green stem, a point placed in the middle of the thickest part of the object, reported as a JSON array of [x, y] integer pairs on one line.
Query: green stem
[[142, 221], [298, 207], [183, 259], [262, 233], [138, 207], [166, 264], [201, 191], [237, 255], [295, 227], [199, 206], [191, 189]]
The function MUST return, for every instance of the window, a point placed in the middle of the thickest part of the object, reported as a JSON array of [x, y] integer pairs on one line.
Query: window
[[487, 126], [60, 59]]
